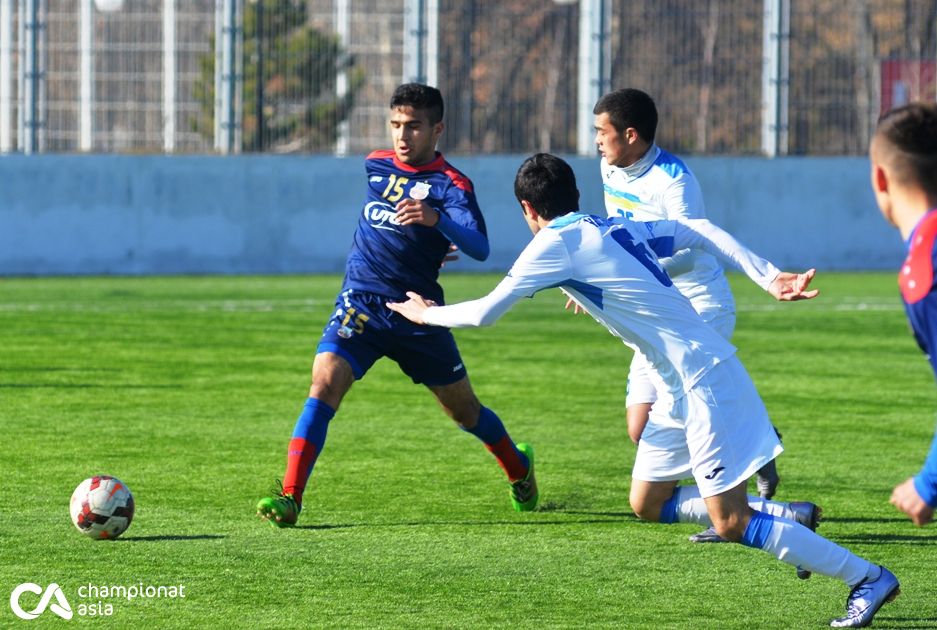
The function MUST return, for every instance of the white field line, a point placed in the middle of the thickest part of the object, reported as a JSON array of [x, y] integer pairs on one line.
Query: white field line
[[201, 306], [823, 304]]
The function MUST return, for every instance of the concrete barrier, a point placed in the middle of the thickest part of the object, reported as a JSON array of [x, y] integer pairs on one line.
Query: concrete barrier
[[105, 214]]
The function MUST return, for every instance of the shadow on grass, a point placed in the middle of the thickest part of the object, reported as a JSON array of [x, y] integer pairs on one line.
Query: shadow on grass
[[85, 386], [56, 369], [599, 517], [169, 537], [886, 539], [865, 519], [430, 523], [905, 623]]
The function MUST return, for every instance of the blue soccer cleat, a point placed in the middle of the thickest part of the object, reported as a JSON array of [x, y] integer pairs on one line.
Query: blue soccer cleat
[[866, 598]]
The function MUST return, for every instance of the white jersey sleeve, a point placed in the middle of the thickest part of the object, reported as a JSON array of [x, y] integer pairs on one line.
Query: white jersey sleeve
[[543, 263], [702, 234]]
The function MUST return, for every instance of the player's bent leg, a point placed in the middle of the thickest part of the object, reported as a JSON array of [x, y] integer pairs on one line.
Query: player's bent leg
[[729, 512], [647, 499], [459, 402]]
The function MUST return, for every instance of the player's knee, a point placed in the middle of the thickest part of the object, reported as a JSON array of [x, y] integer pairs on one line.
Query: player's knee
[[644, 509], [327, 391]]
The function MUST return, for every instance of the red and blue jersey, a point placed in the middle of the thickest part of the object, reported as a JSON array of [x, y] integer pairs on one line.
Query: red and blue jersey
[[919, 293], [390, 259]]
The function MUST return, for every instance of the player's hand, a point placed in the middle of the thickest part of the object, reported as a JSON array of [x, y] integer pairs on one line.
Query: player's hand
[[790, 287], [451, 256], [905, 498], [576, 306], [413, 308], [415, 212]]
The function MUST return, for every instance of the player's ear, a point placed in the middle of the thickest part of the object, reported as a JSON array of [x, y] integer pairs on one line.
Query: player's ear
[[529, 210], [879, 178]]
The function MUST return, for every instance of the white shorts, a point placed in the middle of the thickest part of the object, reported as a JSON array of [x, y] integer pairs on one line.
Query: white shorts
[[719, 433], [640, 386]]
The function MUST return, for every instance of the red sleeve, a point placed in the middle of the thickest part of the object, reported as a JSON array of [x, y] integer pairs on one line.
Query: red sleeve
[[916, 278]]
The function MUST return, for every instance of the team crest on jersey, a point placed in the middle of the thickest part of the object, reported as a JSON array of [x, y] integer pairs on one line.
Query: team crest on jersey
[[420, 190], [381, 216]]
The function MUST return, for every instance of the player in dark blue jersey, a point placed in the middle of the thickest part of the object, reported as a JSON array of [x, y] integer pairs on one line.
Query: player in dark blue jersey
[[417, 207], [904, 179]]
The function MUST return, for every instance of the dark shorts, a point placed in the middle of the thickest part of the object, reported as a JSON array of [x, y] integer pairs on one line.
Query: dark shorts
[[362, 330]]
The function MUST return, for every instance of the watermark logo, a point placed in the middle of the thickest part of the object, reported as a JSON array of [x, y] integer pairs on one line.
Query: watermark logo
[[60, 606]]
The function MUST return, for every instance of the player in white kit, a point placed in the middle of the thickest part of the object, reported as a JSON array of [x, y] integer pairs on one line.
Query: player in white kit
[[641, 181], [610, 267]]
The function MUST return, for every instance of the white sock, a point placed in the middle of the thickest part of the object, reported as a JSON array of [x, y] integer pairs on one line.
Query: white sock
[[795, 544], [691, 508]]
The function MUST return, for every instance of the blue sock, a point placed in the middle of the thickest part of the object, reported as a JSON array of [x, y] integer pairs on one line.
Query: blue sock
[[306, 445], [490, 430], [759, 527]]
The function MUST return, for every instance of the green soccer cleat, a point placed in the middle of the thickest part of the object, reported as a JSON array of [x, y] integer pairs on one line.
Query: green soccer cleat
[[524, 492], [280, 510]]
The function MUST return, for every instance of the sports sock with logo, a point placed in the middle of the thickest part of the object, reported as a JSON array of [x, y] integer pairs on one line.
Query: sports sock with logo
[[791, 542], [490, 430], [686, 506], [305, 446]]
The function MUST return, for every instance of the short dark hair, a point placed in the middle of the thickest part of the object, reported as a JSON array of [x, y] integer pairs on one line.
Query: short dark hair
[[630, 108], [419, 96], [548, 184], [910, 133]]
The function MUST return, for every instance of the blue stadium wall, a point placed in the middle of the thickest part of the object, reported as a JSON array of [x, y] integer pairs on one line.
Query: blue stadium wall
[[69, 214]]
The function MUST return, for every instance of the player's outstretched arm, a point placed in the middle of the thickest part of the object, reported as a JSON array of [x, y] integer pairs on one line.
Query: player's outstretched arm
[[790, 287]]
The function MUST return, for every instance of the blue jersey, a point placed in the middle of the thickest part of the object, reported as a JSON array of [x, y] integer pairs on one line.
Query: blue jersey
[[390, 259], [919, 292]]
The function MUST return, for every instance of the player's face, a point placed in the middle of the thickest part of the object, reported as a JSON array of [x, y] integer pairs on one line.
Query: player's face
[[414, 135], [612, 144]]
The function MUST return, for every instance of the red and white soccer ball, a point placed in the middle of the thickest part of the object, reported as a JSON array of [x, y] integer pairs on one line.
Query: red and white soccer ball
[[102, 507]]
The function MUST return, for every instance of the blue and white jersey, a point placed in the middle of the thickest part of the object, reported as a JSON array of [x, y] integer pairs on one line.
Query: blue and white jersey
[[611, 268], [389, 259], [660, 186]]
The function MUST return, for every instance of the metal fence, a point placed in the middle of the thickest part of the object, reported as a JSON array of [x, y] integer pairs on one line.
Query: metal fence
[[729, 76]]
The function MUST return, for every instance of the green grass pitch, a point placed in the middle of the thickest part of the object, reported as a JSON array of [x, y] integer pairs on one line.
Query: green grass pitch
[[187, 389]]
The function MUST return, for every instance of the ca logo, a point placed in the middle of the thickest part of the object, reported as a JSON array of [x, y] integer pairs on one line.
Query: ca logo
[[60, 608]]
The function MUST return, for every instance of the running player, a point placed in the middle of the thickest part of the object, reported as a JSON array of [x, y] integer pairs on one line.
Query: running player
[[608, 267], [417, 206], [904, 178], [643, 182]]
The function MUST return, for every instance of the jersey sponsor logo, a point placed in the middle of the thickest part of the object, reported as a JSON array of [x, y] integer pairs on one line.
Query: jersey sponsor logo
[[715, 472], [381, 216], [376, 178], [457, 368]]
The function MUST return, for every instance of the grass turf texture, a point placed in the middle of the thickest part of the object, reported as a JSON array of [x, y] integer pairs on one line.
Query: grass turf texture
[[187, 389]]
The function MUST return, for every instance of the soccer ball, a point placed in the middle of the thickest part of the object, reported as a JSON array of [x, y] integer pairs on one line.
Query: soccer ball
[[102, 507]]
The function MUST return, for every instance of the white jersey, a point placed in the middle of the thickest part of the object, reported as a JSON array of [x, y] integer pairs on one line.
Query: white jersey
[[660, 186], [611, 268]]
